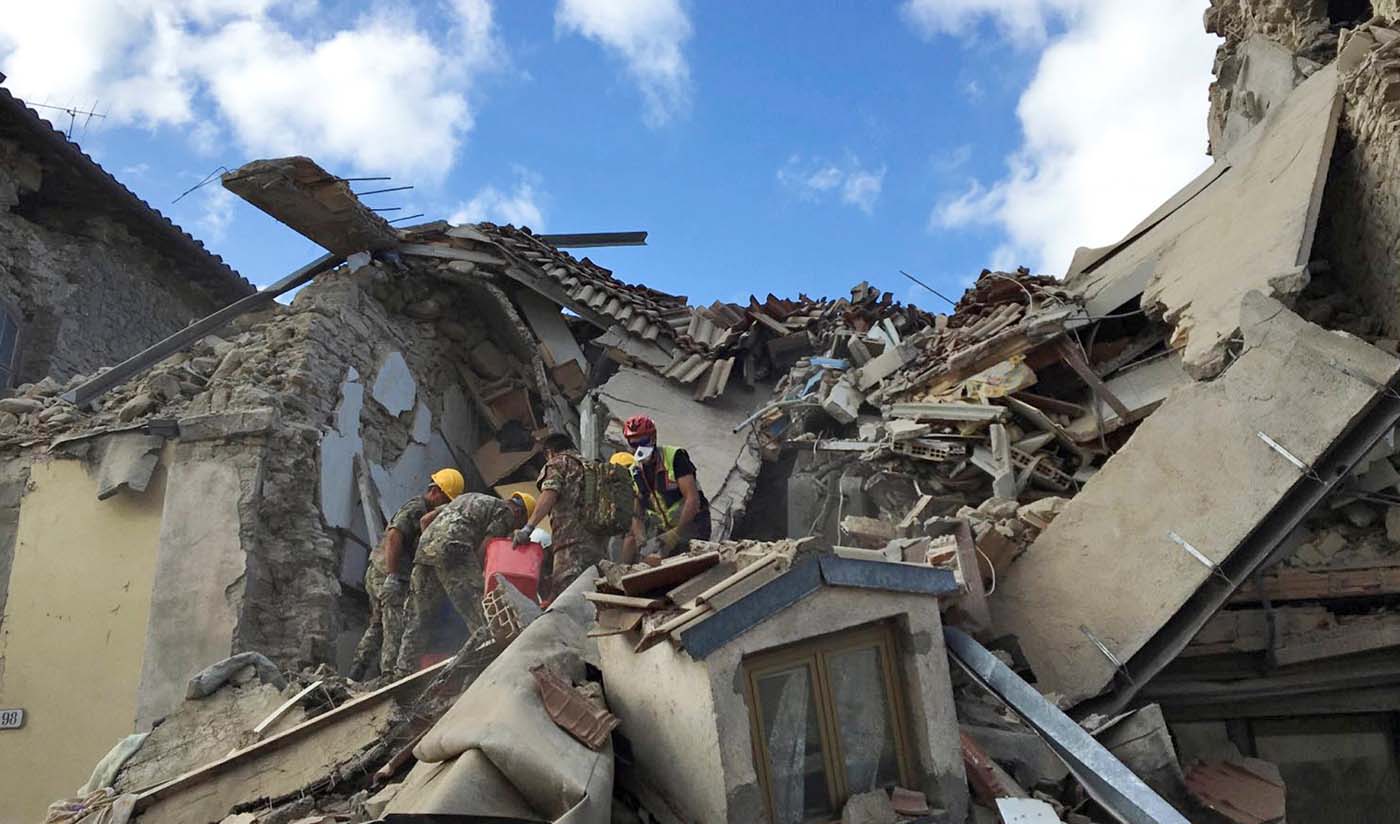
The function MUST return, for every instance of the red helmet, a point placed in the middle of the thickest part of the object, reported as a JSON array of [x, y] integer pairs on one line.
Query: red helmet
[[638, 426]]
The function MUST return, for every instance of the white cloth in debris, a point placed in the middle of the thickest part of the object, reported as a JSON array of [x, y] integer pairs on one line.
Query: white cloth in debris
[[497, 753]]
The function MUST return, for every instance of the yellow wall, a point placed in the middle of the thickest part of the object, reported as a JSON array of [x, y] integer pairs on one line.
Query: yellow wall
[[74, 631]]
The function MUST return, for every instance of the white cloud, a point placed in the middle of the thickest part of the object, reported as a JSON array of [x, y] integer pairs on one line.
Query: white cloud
[[216, 209], [1021, 21], [1109, 129], [388, 91], [520, 205], [814, 179], [649, 36], [862, 188]]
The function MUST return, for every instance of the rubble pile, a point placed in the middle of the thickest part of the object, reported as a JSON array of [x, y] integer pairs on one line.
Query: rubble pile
[[1117, 546]]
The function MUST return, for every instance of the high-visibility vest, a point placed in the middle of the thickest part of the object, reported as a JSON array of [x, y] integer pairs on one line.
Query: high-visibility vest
[[666, 489]]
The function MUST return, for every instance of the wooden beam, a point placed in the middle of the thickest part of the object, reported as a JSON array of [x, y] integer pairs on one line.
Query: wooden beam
[[1302, 584], [1074, 357], [548, 288], [590, 239], [624, 601]]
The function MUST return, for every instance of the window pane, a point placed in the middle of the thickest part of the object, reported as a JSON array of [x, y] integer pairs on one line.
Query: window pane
[[792, 728], [863, 719]]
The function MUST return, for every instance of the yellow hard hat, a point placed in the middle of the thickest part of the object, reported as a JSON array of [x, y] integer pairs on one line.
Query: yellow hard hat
[[450, 481], [622, 459], [529, 501]]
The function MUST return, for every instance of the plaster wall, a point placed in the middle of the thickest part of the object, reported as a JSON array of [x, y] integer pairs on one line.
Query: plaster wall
[[74, 631], [198, 582], [668, 714]]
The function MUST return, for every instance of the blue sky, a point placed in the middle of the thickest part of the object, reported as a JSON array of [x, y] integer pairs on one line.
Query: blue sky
[[783, 146]]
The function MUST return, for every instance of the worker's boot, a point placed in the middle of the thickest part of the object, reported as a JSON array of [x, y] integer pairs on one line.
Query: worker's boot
[[359, 671]]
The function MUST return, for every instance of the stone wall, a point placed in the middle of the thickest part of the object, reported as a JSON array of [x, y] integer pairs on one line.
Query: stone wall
[[1359, 231], [86, 293]]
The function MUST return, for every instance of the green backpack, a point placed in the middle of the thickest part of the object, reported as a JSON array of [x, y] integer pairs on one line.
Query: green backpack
[[609, 499]]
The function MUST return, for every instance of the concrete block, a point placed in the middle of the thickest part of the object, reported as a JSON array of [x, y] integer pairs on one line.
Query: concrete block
[[128, 461], [1026, 811], [843, 402]]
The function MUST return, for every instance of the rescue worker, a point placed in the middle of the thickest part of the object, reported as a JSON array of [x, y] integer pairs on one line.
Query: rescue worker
[[386, 579], [670, 504], [573, 548], [449, 564], [615, 542]]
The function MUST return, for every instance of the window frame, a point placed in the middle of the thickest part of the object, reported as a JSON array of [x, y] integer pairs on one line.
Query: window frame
[[812, 654]]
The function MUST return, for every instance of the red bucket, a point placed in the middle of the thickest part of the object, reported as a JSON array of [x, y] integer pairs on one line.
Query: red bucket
[[519, 564]]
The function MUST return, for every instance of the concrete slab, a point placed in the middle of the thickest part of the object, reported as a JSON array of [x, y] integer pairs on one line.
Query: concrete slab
[[1263, 73], [394, 387], [1249, 228], [320, 206], [1203, 445]]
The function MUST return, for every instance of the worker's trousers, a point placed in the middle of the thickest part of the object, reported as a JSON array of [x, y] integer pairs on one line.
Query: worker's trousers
[[380, 643], [458, 581]]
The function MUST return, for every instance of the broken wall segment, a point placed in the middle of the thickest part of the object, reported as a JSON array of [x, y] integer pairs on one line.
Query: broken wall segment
[[1245, 224], [1078, 619]]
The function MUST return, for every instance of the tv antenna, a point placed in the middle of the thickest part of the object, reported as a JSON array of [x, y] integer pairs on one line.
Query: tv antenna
[[74, 113]]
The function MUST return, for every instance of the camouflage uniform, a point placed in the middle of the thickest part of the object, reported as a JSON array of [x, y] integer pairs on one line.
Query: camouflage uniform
[[449, 565], [381, 638], [572, 548]]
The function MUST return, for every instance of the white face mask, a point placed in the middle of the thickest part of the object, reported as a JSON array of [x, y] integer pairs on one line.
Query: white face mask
[[643, 453]]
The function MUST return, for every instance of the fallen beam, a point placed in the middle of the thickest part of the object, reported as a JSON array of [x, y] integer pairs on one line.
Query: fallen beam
[[1110, 783], [156, 352], [586, 240], [1309, 585]]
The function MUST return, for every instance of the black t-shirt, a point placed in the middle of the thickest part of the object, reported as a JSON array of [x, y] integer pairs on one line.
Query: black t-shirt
[[683, 466]]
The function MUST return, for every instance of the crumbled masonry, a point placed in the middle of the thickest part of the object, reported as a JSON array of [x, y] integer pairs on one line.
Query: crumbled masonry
[[1117, 545]]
